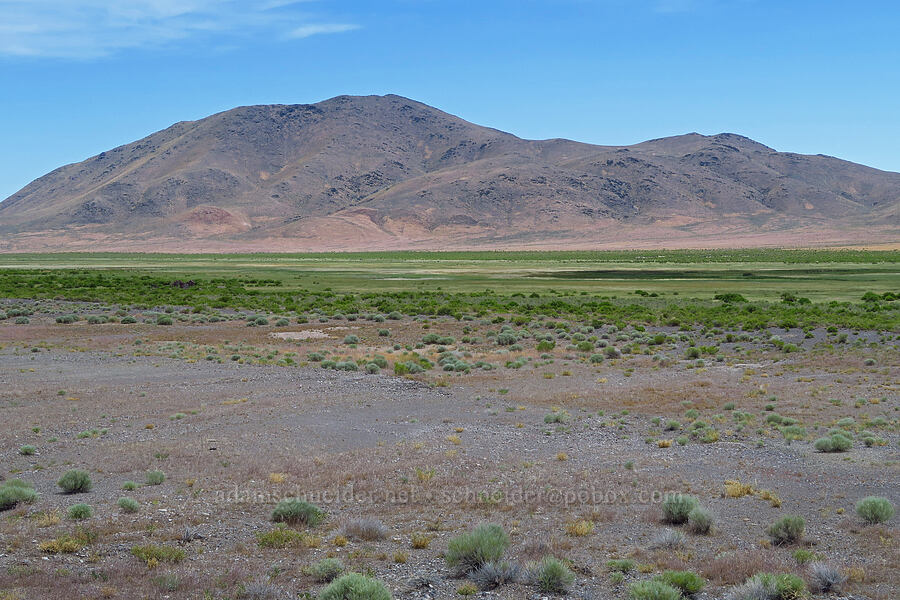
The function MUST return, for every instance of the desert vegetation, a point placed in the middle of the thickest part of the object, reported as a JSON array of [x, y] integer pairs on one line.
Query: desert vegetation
[[280, 432]]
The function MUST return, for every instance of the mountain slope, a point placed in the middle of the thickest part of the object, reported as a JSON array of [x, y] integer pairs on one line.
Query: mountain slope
[[388, 172]]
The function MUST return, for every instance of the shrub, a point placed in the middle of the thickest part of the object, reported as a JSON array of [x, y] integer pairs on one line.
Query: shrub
[[677, 508], [155, 477], [129, 486], [469, 551], [351, 339], [787, 530], [700, 521], [282, 537], [27, 450], [824, 578], [556, 417], [788, 586], [366, 529], [551, 576], [326, 570], [548, 345], [837, 442], [163, 320], [506, 339], [668, 539], [75, 481], [759, 587], [129, 505], [153, 554], [687, 581], [492, 575], [652, 590], [354, 586], [292, 510], [78, 512], [15, 491], [623, 565], [765, 586], [874, 509]]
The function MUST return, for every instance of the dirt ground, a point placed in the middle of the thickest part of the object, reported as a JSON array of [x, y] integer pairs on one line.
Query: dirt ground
[[432, 454]]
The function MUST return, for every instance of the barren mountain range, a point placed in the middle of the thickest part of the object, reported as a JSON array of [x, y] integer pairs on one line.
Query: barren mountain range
[[386, 172]]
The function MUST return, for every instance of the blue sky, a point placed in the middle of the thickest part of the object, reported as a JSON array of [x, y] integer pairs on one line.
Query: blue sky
[[78, 77]]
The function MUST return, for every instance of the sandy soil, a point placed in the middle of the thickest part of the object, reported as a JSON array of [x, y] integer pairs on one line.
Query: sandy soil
[[435, 454]]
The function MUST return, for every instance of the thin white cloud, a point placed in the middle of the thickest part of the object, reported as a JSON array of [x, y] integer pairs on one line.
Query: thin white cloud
[[305, 31], [95, 28]]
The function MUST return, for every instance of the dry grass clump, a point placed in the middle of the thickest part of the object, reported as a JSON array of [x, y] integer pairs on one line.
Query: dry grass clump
[[69, 543], [281, 537], [737, 489], [737, 567], [668, 539], [580, 528], [369, 530], [154, 554], [492, 575], [261, 589], [47, 518], [825, 578], [65, 544]]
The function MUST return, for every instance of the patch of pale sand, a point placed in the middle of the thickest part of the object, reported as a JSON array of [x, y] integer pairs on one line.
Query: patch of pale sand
[[309, 334]]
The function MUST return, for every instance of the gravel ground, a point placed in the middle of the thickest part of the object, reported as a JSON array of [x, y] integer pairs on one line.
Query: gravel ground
[[423, 458]]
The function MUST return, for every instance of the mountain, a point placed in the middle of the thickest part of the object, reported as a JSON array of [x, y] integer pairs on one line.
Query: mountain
[[386, 172]]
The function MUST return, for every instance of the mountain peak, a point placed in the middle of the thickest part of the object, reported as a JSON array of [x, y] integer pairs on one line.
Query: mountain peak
[[367, 172]]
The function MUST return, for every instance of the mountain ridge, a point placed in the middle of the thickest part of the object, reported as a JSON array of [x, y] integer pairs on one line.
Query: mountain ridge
[[386, 172]]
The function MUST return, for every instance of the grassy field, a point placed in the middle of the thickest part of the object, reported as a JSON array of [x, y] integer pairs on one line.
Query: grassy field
[[756, 274]]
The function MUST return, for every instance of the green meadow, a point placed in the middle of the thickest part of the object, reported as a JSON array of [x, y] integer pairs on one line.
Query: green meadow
[[759, 287]]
